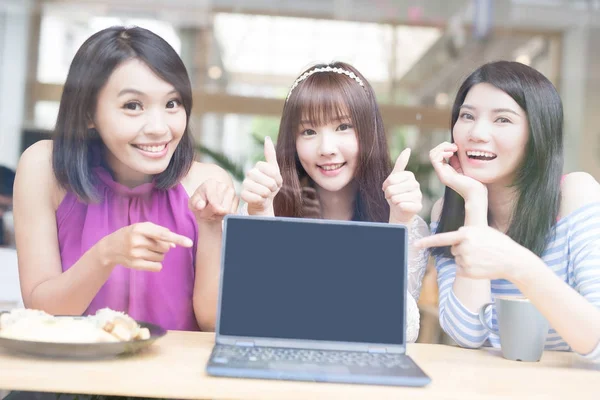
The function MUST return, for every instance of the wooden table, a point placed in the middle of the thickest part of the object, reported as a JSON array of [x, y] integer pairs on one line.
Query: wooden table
[[175, 367]]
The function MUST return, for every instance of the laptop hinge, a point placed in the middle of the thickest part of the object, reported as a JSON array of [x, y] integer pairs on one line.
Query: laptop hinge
[[245, 344], [377, 350]]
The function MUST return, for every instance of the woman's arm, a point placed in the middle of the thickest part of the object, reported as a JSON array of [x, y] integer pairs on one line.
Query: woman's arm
[[208, 252], [457, 320], [573, 312], [469, 293], [206, 284], [460, 297], [417, 264], [474, 293], [413, 319], [43, 284], [417, 257]]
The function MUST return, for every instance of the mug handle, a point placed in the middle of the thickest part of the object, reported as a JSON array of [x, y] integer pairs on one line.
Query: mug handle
[[482, 318]]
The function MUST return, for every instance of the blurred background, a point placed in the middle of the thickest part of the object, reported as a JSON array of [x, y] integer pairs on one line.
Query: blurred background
[[243, 55]]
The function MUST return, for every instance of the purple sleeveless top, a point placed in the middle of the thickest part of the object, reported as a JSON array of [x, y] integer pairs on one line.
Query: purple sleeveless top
[[163, 298]]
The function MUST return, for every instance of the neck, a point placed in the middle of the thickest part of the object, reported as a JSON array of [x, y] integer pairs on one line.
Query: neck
[[131, 181], [501, 202], [337, 205], [122, 174]]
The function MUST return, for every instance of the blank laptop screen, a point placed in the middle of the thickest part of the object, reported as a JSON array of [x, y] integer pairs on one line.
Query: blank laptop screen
[[293, 279]]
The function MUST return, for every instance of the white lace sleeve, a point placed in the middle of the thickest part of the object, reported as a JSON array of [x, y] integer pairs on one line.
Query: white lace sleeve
[[417, 264], [417, 258], [413, 319]]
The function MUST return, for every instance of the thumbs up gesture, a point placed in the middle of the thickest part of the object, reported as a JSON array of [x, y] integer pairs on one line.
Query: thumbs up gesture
[[262, 183], [402, 192]]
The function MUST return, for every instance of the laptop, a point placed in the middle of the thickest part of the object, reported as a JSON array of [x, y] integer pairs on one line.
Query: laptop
[[313, 300]]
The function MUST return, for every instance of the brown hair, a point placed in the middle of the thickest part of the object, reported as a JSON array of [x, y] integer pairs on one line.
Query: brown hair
[[321, 98]]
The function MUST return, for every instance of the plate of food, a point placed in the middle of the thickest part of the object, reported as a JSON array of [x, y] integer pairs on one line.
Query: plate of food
[[107, 333]]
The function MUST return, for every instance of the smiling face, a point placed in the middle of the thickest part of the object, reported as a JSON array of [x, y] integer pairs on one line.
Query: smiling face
[[141, 120], [491, 133], [328, 153]]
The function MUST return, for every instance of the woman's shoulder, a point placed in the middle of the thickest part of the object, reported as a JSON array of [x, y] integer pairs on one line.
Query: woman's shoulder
[[38, 154], [35, 172], [578, 189], [200, 172]]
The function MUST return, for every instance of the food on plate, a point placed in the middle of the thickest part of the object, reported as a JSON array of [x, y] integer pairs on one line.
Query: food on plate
[[105, 326]]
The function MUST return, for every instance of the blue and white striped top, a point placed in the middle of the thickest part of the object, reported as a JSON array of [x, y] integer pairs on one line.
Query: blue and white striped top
[[573, 253]]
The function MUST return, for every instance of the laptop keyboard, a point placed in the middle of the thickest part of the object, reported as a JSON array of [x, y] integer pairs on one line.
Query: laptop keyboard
[[225, 354]]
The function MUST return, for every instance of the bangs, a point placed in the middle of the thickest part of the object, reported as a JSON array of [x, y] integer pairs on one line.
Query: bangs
[[325, 97]]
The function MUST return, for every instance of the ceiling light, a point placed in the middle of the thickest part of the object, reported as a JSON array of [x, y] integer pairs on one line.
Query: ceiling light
[[523, 59], [215, 72]]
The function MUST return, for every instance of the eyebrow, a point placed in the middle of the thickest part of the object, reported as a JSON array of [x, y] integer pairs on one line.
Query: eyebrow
[[139, 93], [495, 110], [340, 118]]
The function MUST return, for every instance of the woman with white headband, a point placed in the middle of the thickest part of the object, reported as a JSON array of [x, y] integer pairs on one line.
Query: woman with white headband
[[332, 161]]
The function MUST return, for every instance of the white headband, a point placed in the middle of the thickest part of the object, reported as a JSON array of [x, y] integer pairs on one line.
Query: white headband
[[350, 74]]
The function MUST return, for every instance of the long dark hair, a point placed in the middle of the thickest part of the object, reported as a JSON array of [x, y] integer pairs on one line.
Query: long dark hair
[[91, 67], [538, 179], [322, 97]]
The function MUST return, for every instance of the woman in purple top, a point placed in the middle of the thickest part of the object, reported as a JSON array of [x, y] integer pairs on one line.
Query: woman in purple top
[[114, 212]]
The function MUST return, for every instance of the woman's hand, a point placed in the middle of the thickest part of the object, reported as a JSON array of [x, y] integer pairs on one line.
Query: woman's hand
[[482, 252], [402, 191], [141, 246], [451, 174], [212, 201], [262, 183]]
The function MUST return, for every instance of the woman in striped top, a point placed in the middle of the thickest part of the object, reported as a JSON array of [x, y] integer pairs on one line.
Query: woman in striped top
[[509, 222]]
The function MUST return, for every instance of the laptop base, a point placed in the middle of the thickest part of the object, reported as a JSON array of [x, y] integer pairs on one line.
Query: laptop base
[[405, 373]]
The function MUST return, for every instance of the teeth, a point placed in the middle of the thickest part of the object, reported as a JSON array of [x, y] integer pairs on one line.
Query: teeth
[[480, 154], [331, 167], [152, 149]]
